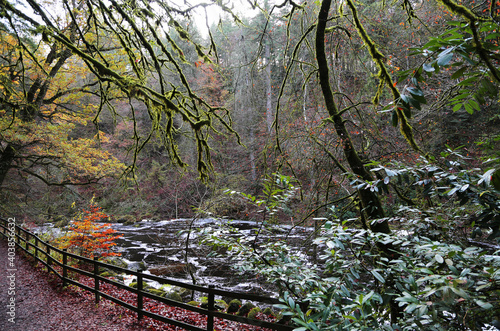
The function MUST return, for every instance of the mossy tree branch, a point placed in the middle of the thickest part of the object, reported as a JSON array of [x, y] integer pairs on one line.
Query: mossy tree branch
[[370, 202], [473, 20], [146, 36], [385, 79]]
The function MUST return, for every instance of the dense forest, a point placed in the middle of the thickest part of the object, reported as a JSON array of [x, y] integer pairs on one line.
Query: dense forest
[[376, 122]]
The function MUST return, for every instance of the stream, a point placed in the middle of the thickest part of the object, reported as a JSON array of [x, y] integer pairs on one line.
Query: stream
[[152, 245]]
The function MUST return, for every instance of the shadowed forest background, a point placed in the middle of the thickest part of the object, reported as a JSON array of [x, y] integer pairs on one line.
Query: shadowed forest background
[[376, 122]]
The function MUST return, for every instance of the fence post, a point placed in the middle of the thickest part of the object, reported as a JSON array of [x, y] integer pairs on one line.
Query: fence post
[[36, 249], [18, 236], [30, 236], [211, 307], [139, 295], [49, 258], [26, 242], [96, 280], [65, 270]]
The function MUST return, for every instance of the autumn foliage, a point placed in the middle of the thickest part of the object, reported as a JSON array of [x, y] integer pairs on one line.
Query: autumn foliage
[[89, 238]]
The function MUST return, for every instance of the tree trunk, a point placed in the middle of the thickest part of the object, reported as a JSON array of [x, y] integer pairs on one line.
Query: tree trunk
[[6, 160], [370, 202]]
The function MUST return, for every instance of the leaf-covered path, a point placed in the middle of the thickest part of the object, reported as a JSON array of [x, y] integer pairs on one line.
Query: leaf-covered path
[[41, 305]]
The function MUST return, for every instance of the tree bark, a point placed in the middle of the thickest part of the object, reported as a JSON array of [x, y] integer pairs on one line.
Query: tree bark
[[370, 201], [6, 160]]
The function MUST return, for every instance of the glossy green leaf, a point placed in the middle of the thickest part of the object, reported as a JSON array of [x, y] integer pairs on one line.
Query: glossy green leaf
[[468, 108], [459, 73], [445, 57], [484, 305], [415, 91], [378, 276], [428, 67], [474, 104], [457, 107], [395, 118]]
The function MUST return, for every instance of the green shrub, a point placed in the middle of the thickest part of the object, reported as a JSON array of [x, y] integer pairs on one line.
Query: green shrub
[[425, 275]]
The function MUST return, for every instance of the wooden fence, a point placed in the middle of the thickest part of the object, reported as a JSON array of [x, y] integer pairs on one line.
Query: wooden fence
[[39, 248]]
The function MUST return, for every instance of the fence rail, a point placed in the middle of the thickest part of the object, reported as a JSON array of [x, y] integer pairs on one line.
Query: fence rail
[[23, 239]]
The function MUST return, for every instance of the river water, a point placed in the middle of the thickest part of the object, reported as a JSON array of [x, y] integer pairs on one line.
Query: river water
[[148, 244], [157, 243]]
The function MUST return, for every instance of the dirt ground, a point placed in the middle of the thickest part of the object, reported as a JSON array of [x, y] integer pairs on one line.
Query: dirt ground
[[31, 299]]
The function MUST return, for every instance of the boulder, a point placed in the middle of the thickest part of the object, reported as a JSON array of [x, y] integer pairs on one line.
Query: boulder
[[173, 296], [245, 309], [253, 312], [157, 292], [177, 269], [234, 306]]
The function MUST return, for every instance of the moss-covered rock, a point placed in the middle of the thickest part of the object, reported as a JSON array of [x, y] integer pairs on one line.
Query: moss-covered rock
[[172, 270], [144, 285], [173, 296], [186, 294], [60, 222], [126, 219], [234, 306], [108, 274], [194, 303], [245, 309], [253, 312], [221, 304], [116, 261], [269, 312], [156, 291], [167, 287]]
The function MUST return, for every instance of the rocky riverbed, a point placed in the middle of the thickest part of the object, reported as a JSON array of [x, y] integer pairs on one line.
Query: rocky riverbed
[[171, 249]]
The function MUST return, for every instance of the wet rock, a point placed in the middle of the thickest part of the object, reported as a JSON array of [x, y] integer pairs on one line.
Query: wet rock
[[137, 266], [177, 269], [145, 286], [116, 261], [157, 292], [245, 309], [108, 274], [253, 312], [269, 312], [234, 306], [173, 296]]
